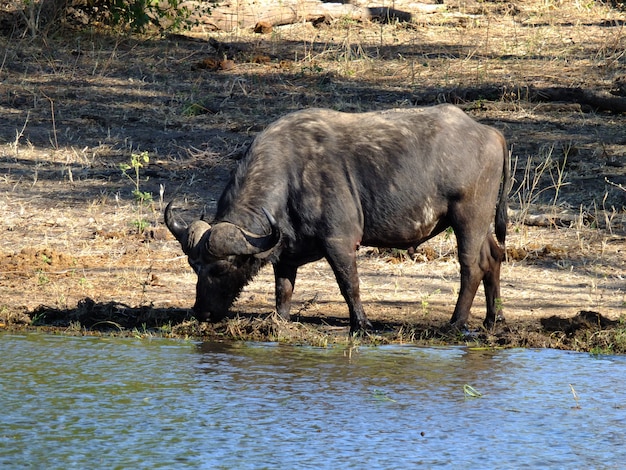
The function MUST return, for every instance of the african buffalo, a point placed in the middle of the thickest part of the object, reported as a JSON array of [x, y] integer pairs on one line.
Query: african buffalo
[[320, 183]]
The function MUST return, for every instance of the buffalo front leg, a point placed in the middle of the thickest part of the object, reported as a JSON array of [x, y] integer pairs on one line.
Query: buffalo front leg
[[343, 263], [285, 278]]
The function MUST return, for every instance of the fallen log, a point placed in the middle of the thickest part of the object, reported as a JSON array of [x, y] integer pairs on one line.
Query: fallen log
[[249, 13], [596, 100], [559, 217]]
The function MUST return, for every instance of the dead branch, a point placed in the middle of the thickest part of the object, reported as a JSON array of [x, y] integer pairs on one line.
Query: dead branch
[[596, 99], [587, 99], [249, 13]]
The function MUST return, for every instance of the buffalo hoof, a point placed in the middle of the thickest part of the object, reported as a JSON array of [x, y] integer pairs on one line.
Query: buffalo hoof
[[458, 328], [208, 317], [490, 324], [361, 327], [201, 317], [460, 332], [458, 325], [284, 315]]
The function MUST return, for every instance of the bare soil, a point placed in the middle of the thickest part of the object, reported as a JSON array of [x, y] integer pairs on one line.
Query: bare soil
[[80, 255]]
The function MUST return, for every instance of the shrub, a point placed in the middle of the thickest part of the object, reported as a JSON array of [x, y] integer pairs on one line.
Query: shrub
[[35, 17], [139, 14]]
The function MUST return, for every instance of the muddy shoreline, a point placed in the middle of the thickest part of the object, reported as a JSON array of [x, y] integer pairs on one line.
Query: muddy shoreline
[[80, 254]]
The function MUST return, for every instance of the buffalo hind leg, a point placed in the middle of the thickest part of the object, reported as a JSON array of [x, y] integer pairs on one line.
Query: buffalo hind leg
[[471, 275], [491, 257], [343, 263], [285, 279], [487, 270]]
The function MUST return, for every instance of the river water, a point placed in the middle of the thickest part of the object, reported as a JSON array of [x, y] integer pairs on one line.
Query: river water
[[91, 403]]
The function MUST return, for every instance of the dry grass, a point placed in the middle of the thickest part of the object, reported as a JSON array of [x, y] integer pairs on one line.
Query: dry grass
[[74, 107]]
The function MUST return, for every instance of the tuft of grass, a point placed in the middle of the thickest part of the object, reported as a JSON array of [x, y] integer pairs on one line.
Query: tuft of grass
[[42, 278], [425, 304], [606, 342], [532, 186]]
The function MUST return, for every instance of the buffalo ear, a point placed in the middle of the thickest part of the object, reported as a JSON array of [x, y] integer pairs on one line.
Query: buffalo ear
[[189, 236], [195, 234]]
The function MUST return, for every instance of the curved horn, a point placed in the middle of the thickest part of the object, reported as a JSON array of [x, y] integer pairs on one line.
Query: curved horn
[[229, 239], [178, 230], [274, 236]]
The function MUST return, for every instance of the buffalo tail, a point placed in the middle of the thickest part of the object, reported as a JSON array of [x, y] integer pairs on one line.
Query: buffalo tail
[[502, 217]]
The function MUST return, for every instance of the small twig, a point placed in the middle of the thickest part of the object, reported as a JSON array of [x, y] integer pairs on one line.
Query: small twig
[[20, 134], [4, 59], [307, 304], [54, 125], [577, 407], [108, 322], [471, 392], [617, 185]]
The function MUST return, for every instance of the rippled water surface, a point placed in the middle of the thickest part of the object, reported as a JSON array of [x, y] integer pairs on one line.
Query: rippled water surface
[[121, 403]]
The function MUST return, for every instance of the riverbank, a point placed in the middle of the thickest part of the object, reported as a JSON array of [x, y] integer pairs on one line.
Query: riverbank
[[83, 247]]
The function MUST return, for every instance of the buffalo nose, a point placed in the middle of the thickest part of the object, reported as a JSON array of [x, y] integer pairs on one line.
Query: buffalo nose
[[201, 314]]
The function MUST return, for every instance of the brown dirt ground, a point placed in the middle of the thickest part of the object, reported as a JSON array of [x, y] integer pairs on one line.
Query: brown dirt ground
[[73, 107]]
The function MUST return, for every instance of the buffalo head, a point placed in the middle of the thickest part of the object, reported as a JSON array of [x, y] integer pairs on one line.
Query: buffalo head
[[225, 257]]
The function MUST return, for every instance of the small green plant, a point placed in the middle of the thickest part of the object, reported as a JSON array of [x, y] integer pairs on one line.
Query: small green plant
[[142, 333], [381, 395], [499, 305], [38, 318], [426, 304], [195, 109], [138, 161], [141, 225], [42, 278], [166, 328]]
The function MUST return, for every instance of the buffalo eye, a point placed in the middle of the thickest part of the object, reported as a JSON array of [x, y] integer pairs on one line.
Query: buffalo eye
[[195, 265]]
